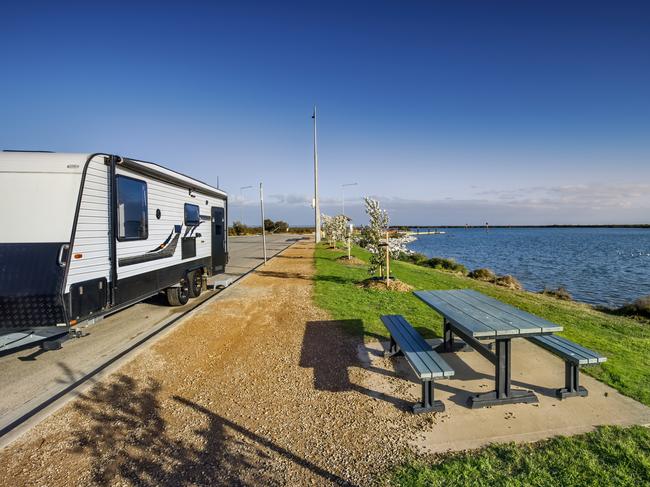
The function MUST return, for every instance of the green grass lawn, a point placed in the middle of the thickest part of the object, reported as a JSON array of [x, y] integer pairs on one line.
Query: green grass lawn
[[607, 456], [624, 341]]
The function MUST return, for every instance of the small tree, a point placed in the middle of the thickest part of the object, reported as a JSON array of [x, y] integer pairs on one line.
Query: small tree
[[238, 228], [281, 226], [339, 228], [373, 235], [327, 222], [277, 226]]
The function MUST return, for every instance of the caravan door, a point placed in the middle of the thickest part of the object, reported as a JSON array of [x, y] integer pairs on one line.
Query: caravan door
[[218, 239]]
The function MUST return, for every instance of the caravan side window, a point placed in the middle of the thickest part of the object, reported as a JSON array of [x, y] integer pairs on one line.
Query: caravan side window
[[132, 219], [192, 217]]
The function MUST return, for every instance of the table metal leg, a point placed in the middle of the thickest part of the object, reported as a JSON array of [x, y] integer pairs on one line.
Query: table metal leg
[[503, 394], [448, 343], [448, 337], [502, 372]]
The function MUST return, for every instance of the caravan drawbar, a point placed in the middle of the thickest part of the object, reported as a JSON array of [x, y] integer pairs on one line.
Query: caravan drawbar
[[83, 235]]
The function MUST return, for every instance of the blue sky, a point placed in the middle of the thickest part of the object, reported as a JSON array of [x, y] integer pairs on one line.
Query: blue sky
[[447, 112]]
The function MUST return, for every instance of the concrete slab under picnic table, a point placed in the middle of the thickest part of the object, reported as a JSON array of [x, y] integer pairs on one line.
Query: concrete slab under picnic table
[[460, 428]]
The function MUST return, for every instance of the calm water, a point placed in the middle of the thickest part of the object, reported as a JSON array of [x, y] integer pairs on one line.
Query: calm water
[[608, 266]]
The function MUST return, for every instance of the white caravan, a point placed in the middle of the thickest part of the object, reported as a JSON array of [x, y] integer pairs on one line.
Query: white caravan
[[82, 235]]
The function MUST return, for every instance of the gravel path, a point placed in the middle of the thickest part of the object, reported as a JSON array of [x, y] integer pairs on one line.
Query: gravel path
[[261, 388]]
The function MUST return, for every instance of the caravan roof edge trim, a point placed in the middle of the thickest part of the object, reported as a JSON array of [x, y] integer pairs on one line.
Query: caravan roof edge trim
[[168, 175]]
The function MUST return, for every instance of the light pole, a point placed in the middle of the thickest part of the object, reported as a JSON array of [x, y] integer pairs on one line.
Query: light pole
[[241, 198], [316, 203], [263, 229], [343, 186]]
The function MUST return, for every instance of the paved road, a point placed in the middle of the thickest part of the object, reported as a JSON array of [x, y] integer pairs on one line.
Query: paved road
[[30, 376]]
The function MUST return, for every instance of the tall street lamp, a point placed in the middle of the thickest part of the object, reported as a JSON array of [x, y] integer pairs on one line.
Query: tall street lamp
[[316, 202], [343, 186], [263, 228]]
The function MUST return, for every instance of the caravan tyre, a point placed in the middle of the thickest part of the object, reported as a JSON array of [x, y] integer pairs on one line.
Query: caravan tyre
[[178, 296], [195, 282]]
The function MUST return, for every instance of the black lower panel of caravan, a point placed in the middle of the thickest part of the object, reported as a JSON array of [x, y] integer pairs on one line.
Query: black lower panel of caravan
[[142, 285], [30, 285], [87, 298]]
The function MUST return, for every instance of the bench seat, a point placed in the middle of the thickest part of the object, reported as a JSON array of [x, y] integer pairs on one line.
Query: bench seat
[[574, 356], [424, 361], [568, 350]]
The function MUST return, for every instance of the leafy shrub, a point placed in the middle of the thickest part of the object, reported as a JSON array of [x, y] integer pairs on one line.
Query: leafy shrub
[[483, 275], [509, 281], [273, 227], [412, 257], [640, 307], [238, 228], [559, 293], [439, 263], [444, 264]]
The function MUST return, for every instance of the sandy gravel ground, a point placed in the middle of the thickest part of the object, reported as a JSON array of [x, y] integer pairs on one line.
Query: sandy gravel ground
[[261, 388]]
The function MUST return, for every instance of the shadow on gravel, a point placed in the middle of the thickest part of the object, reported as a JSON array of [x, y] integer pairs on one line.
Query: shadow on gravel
[[284, 275], [297, 275], [127, 438], [331, 348]]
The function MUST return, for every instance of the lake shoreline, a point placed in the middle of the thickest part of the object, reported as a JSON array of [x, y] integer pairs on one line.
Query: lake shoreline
[[603, 267]]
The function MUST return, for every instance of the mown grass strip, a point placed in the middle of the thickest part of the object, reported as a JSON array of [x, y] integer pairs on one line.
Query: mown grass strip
[[609, 456]]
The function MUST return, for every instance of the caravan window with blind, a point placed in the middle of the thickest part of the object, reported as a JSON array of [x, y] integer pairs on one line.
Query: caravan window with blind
[[132, 221], [192, 216]]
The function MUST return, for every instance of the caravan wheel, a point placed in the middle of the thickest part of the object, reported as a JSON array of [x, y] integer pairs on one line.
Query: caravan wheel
[[195, 280], [178, 296]]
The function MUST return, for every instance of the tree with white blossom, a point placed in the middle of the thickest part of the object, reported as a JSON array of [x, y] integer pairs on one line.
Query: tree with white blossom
[[327, 223], [340, 228], [334, 229], [375, 234]]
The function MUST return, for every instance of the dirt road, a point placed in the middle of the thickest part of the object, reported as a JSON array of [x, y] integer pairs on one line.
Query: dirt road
[[259, 389], [30, 377]]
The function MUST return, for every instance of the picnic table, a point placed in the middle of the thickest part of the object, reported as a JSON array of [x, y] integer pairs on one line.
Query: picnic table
[[472, 316]]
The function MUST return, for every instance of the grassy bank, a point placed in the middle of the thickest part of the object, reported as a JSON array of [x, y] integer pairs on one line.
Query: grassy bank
[[624, 341], [608, 456]]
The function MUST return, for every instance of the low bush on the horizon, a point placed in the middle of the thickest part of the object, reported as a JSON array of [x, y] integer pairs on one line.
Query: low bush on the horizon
[[559, 293], [413, 257], [239, 229], [275, 227], [439, 263], [509, 281], [611, 455], [487, 275], [483, 275], [639, 308]]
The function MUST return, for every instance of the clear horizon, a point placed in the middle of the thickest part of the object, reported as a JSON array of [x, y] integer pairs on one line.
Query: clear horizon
[[512, 113]]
